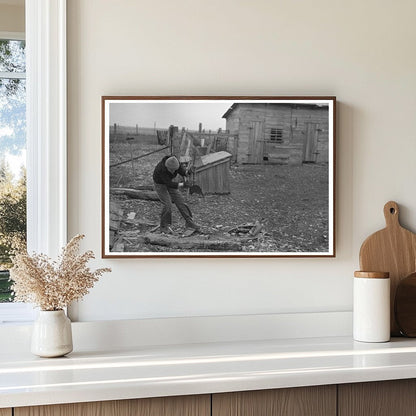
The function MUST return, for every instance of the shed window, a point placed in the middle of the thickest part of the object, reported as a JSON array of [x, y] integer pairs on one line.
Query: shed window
[[276, 135]]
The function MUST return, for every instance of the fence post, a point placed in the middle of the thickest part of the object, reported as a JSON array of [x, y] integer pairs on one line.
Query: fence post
[[175, 141], [130, 142]]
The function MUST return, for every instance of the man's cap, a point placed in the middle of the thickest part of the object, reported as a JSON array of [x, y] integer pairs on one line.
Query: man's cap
[[172, 163]]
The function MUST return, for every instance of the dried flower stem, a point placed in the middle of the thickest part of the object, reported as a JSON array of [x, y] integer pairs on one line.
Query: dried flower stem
[[53, 285]]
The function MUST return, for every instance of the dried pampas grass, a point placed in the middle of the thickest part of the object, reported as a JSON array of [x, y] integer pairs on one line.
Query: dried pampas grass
[[53, 285]]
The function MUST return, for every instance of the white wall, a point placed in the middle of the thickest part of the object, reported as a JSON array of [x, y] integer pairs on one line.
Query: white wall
[[361, 51]]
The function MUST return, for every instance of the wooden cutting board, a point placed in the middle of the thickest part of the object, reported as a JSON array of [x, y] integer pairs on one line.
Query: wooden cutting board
[[393, 250]]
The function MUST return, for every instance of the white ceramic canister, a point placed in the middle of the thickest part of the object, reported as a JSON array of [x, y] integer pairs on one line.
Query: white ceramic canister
[[371, 309]]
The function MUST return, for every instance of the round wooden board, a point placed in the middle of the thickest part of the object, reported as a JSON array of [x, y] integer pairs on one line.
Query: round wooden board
[[405, 305]]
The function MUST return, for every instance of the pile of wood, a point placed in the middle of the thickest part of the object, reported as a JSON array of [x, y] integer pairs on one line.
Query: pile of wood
[[116, 215], [238, 236], [252, 229]]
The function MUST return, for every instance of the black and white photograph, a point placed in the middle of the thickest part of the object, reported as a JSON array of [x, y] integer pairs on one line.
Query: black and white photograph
[[218, 176]]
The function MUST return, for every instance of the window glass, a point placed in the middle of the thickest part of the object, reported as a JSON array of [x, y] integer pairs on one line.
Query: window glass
[[276, 135], [12, 156], [12, 56]]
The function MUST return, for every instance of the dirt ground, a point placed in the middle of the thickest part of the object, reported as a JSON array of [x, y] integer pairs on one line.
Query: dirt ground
[[291, 202]]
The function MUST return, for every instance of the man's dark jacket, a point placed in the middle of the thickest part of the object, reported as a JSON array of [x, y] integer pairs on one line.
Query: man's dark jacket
[[162, 176]]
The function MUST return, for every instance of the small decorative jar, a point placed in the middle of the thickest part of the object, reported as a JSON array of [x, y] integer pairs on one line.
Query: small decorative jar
[[371, 309], [52, 334]]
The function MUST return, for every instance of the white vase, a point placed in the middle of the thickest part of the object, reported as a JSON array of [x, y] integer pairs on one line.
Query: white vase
[[52, 334]]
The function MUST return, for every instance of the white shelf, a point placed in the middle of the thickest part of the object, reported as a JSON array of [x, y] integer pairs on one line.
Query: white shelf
[[151, 371]]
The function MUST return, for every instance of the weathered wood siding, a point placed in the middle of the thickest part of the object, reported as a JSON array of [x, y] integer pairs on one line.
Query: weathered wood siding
[[254, 124], [214, 175], [303, 115], [233, 126]]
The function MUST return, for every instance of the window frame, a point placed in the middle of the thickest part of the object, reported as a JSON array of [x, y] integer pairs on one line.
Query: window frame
[[46, 121], [46, 137]]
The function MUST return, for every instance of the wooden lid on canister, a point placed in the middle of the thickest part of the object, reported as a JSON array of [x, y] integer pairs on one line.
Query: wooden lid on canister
[[372, 275]]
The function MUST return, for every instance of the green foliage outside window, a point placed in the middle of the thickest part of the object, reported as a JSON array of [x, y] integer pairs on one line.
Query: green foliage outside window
[[12, 145]]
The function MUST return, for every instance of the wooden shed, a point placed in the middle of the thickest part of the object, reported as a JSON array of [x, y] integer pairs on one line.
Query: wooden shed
[[212, 173], [282, 133]]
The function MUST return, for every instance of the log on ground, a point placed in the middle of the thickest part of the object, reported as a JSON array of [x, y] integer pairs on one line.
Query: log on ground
[[191, 243], [136, 193], [145, 187]]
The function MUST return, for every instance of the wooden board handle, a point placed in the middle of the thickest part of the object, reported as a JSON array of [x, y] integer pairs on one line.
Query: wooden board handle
[[391, 214]]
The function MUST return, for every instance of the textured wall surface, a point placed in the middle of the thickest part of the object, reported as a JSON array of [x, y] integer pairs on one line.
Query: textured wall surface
[[361, 52]]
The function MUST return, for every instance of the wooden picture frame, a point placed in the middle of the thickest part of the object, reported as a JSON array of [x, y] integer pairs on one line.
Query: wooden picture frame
[[260, 176]]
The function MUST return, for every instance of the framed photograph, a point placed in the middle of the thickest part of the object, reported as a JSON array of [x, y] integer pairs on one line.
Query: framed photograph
[[218, 177]]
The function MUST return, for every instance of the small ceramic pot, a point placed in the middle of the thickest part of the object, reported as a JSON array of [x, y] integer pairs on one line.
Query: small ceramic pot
[[52, 334]]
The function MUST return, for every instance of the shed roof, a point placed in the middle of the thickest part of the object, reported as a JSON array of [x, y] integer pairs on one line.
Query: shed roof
[[214, 157], [235, 105], [229, 111]]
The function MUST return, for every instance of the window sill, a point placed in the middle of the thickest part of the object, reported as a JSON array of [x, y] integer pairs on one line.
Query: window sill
[[16, 313]]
